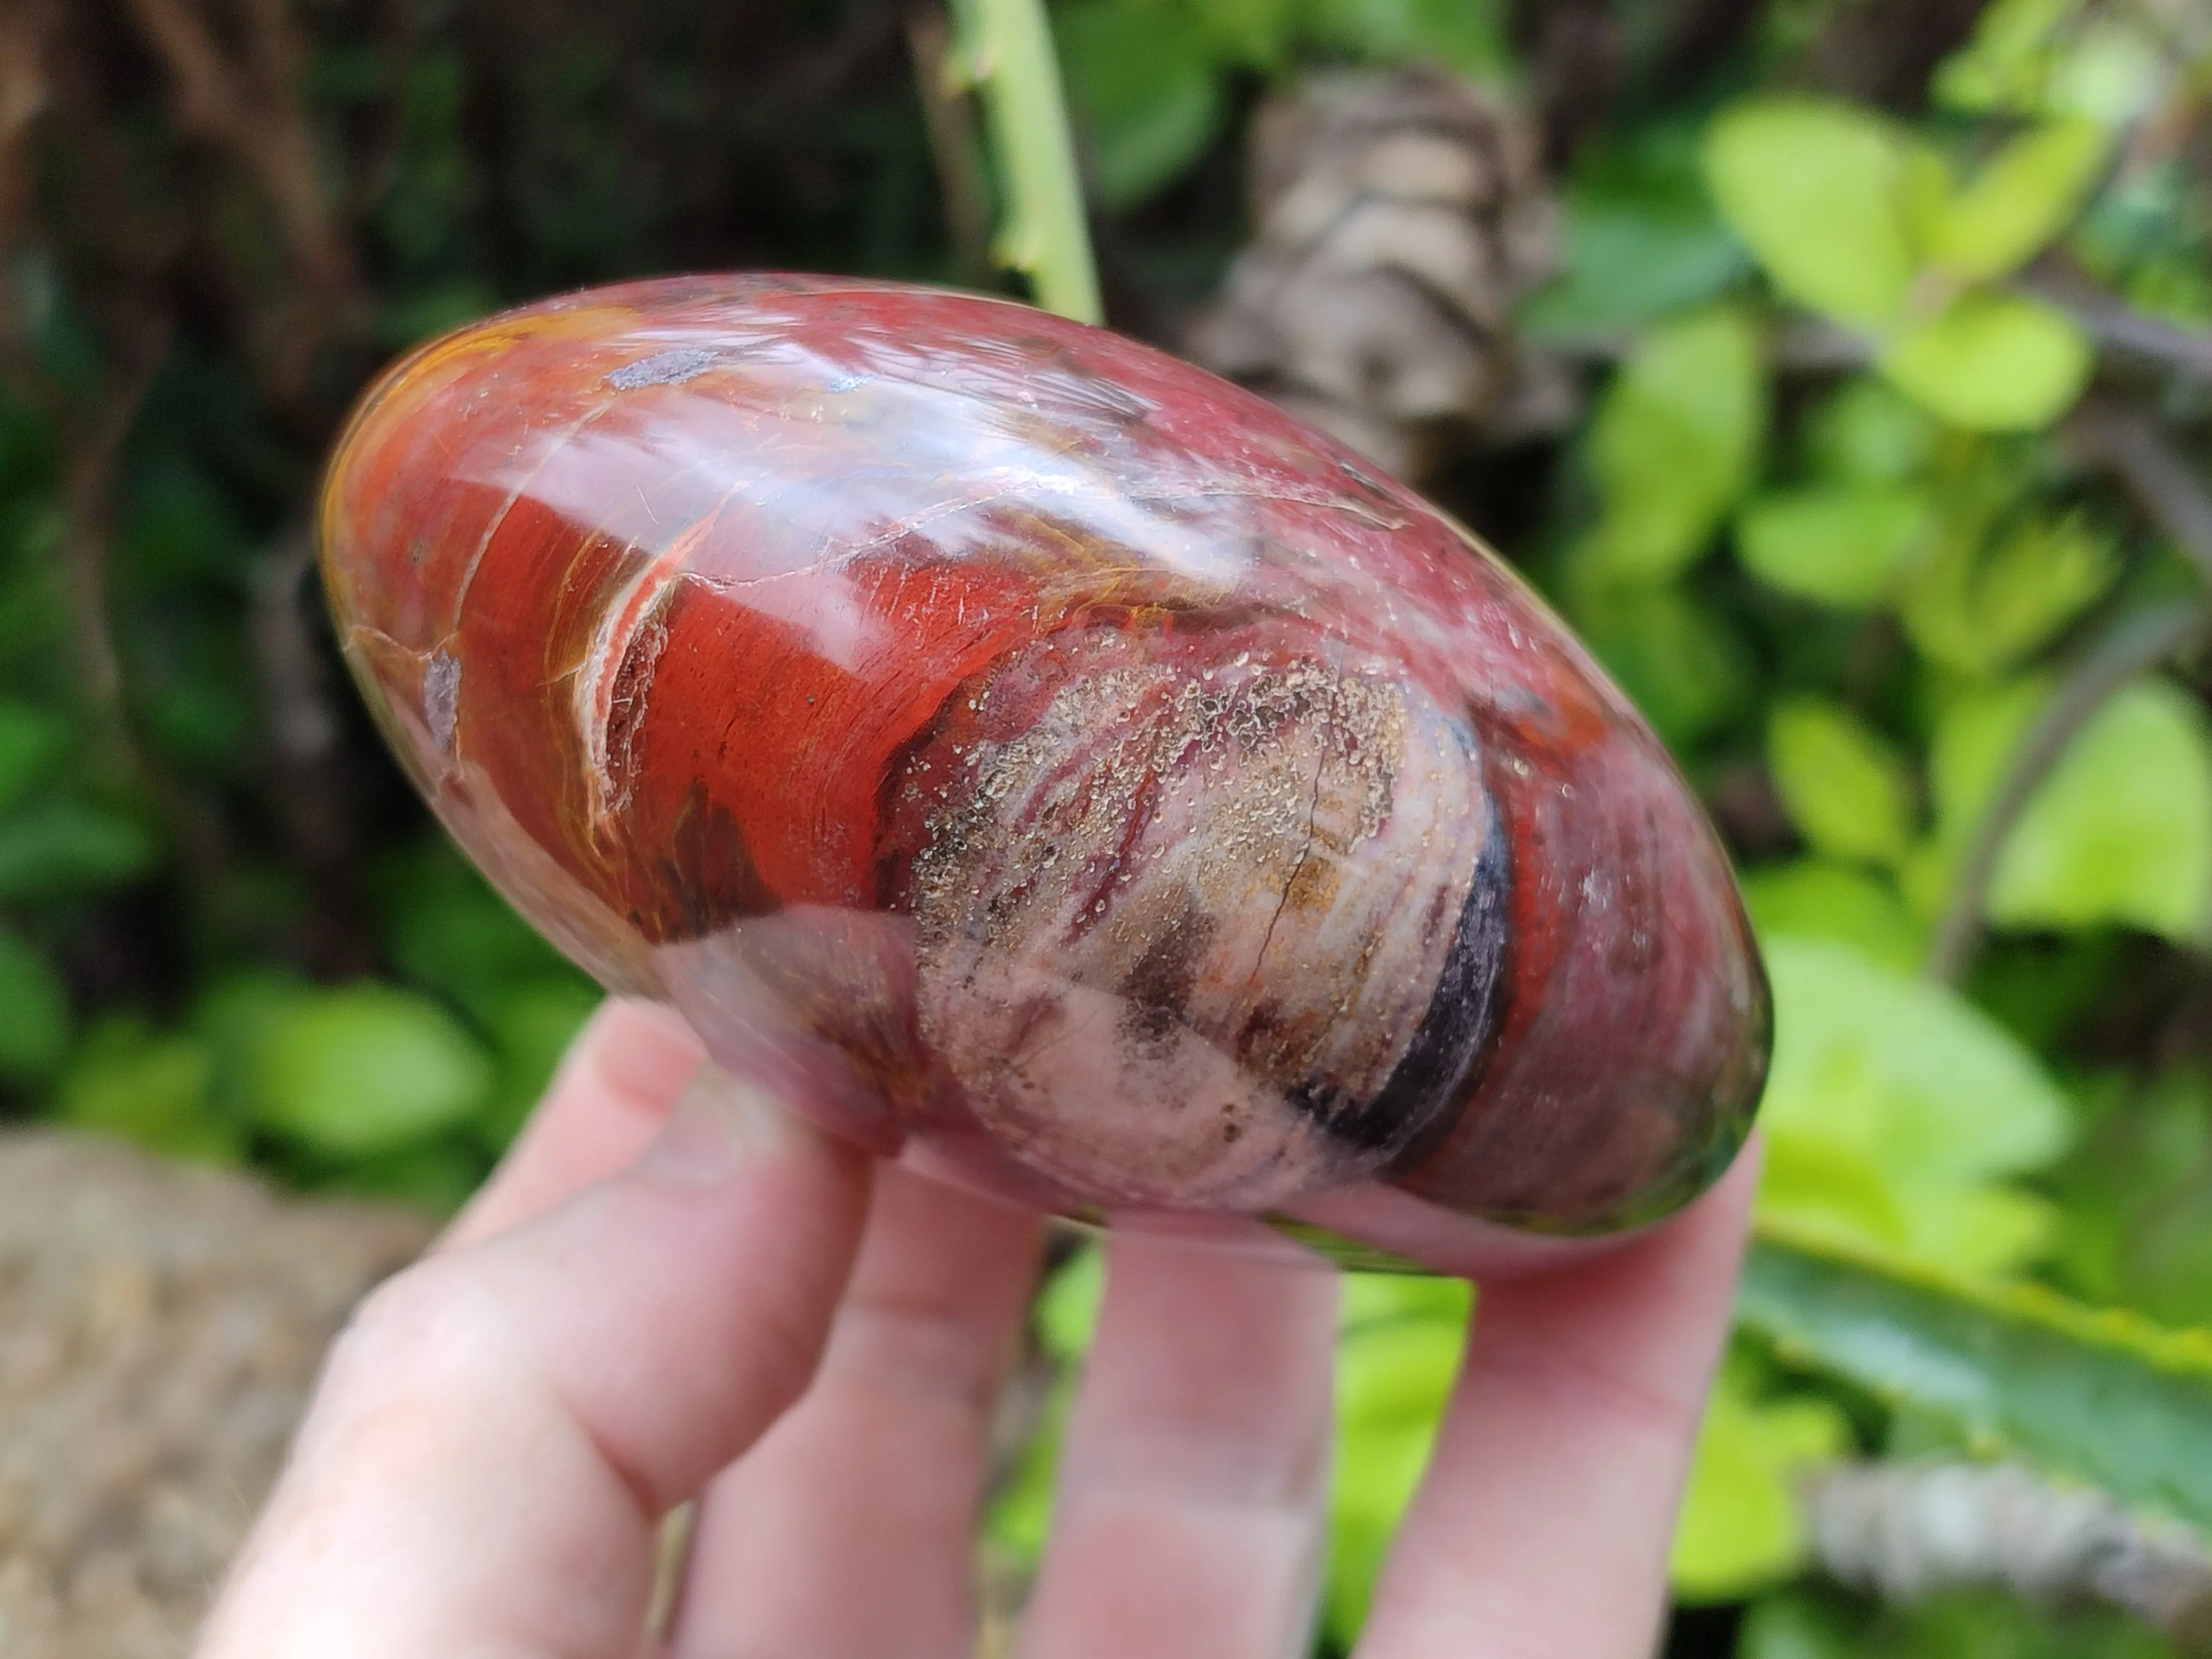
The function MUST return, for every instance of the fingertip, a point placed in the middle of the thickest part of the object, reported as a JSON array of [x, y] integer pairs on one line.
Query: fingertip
[[610, 1095], [1561, 1458], [642, 1051]]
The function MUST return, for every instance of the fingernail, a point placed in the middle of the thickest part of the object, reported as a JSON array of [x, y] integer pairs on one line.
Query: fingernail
[[719, 1124]]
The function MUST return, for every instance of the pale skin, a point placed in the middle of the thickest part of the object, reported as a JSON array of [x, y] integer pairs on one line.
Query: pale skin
[[669, 1291]]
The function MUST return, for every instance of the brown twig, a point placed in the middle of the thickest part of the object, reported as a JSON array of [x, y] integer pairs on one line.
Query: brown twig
[[955, 145], [2134, 447], [2137, 644], [88, 505], [251, 111], [24, 96], [375, 161], [2117, 327], [309, 784], [1798, 344], [94, 451]]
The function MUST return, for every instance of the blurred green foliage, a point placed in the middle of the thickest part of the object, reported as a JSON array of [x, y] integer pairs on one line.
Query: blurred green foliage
[[1829, 517]]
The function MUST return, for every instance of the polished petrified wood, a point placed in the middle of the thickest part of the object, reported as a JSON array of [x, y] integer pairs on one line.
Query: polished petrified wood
[[1042, 761]]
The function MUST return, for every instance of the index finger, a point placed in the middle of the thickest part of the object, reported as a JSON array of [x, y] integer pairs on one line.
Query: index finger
[[612, 1092], [503, 1424]]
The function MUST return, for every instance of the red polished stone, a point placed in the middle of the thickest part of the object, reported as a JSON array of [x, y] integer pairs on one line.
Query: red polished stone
[[1045, 761]]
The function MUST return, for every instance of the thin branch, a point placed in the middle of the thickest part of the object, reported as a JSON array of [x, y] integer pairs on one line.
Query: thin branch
[[955, 145], [252, 111], [1799, 345], [308, 782], [2115, 326], [1909, 1529], [88, 505], [24, 97], [2136, 447], [2137, 644], [1812, 345], [374, 161]]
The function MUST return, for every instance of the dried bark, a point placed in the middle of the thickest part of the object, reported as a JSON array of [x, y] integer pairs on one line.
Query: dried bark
[[1397, 219], [1906, 1530]]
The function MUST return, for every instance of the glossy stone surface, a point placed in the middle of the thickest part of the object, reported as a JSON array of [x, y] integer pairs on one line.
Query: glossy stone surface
[[1046, 762]]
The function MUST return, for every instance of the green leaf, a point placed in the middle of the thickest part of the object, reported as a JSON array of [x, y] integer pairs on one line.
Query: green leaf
[[1991, 363], [1739, 1530], [1465, 36], [2044, 58], [530, 1027], [1977, 1624], [2114, 74], [1813, 187], [1674, 443], [2099, 1394], [34, 1012], [437, 1176], [1812, 898], [366, 1069], [1679, 660], [2121, 831], [1253, 33], [1891, 1107], [29, 739], [1797, 1627], [1020, 1517], [1979, 606], [1372, 1298], [1905, 1068], [1363, 1520], [1392, 1379], [1396, 1370], [1842, 544], [1627, 267], [1067, 1308], [64, 850], [125, 1081], [2008, 60], [446, 928], [1147, 81], [2023, 197], [1643, 240], [1869, 433], [233, 1017], [1845, 788], [1468, 37]]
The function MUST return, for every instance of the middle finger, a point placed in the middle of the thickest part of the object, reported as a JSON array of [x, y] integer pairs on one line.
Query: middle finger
[[1189, 1518], [850, 1527]]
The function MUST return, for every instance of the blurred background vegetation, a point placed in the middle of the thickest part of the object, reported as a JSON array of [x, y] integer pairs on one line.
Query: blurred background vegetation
[[1843, 368]]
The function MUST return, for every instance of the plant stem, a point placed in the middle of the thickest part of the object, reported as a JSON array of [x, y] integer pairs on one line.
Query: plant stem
[[1006, 51], [2135, 645], [2116, 326], [2136, 449], [949, 119]]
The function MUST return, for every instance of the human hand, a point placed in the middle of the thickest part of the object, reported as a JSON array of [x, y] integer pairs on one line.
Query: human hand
[[669, 1291]]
